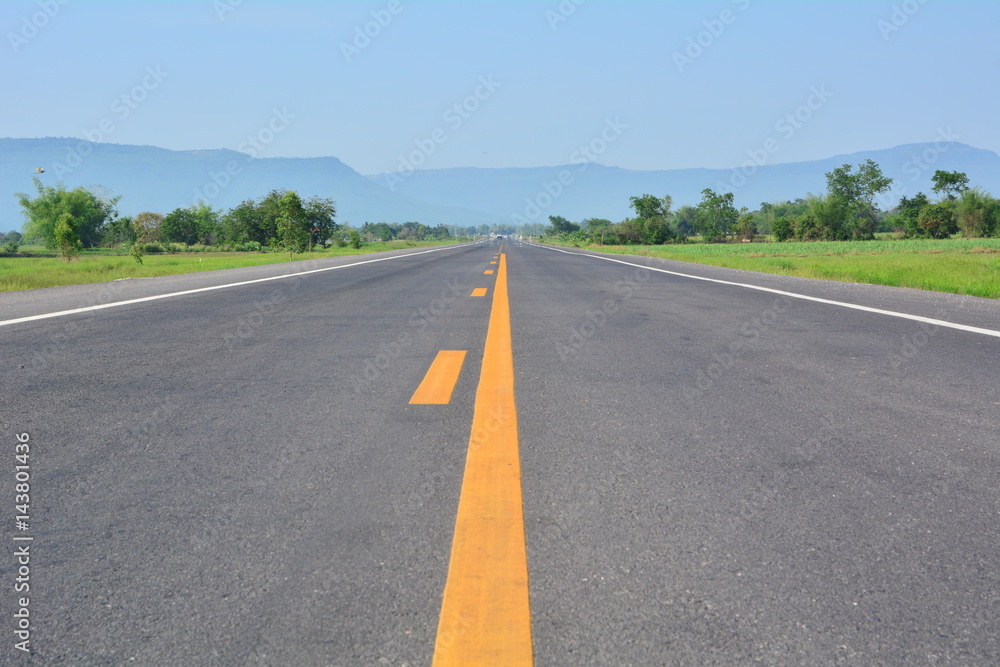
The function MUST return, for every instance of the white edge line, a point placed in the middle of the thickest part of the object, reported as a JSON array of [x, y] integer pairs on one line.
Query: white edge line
[[115, 304], [794, 295]]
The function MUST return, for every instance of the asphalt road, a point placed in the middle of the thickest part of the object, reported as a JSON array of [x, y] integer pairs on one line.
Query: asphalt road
[[711, 474]]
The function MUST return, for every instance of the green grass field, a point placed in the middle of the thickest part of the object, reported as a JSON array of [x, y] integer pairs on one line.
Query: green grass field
[[960, 266], [32, 270]]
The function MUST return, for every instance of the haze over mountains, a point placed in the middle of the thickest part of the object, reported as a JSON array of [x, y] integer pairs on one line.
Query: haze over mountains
[[160, 180]]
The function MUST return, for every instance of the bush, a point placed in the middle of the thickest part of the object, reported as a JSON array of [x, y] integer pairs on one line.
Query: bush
[[152, 248], [11, 246], [938, 220], [782, 229]]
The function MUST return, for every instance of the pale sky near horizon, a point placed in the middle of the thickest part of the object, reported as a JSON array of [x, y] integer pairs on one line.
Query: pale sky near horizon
[[647, 85]]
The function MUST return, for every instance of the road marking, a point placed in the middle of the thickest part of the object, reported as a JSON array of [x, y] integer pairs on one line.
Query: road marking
[[479, 291], [488, 272], [440, 379], [492, 262], [485, 613], [156, 297], [796, 295]]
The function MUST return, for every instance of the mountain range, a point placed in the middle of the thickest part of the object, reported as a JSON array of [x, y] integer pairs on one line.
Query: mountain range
[[156, 179]]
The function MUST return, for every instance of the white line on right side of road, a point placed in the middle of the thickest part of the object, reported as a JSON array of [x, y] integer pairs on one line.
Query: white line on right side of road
[[795, 295], [115, 304]]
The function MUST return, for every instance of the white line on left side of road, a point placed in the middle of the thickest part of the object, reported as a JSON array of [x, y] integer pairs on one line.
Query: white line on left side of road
[[795, 295], [156, 297]]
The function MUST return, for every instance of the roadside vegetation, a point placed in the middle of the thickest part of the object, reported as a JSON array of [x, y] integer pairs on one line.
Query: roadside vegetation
[[951, 244], [77, 236], [960, 266]]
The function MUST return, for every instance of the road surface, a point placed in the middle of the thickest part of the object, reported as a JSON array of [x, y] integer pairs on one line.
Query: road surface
[[740, 470]]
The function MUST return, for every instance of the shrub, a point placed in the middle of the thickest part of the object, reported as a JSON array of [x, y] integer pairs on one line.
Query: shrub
[[782, 229], [938, 220], [152, 248]]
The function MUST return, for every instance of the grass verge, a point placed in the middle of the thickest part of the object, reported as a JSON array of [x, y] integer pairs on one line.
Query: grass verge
[[32, 271], [959, 266]]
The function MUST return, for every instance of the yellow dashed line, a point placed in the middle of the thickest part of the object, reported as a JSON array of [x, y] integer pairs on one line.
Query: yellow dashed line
[[485, 614], [440, 379]]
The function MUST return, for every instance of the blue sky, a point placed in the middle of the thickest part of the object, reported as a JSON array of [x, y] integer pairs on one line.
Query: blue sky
[[683, 84]]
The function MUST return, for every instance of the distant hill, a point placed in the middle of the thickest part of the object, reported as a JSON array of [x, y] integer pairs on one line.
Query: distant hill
[[597, 191], [160, 180]]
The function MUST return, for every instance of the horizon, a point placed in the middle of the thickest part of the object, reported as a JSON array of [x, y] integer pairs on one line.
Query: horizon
[[387, 86], [249, 156]]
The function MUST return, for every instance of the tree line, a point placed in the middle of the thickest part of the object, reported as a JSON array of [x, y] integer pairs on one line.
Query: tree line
[[70, 220], [849, 210]]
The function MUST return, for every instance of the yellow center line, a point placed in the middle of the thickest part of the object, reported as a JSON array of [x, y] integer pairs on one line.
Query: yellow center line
[[440, 380], [488, 272], [479, 291], [485, 614]]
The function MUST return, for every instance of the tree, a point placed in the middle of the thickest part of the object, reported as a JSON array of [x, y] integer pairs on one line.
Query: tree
[[561, 225], [782, 229], [67, 238], [246, 222], [88, 210], [651, 225], [745, 225], [950, 184], [649, 206], [147, 227], [11, 241], [320, 213], [857, 191], [292, 225], [180, 226], [716, 214], [206, 221], [686, 220], [938, 220], [977, 213], [119, 231], [828, 217], [908, 211], [597, 228]]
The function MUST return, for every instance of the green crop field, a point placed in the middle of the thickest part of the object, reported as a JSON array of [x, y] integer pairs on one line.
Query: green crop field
[[34, 267], [961, 266]]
